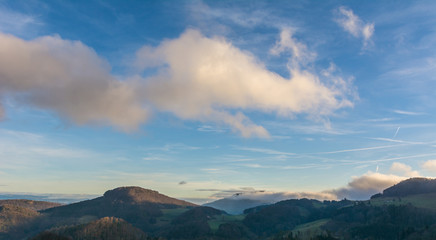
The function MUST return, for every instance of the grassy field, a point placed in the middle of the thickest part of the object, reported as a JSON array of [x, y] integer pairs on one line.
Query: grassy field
[[427, 201], [170, 214], [309, 230], [220, 219]]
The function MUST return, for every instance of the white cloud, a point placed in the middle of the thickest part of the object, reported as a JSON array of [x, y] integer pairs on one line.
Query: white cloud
[[68, 78], [208, 79], [354, 25], [299, 51], [265, 196], [429, 165], [363, 187], [403, 169]]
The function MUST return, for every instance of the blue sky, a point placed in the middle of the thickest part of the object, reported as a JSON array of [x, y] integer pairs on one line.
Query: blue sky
[[202, 99]]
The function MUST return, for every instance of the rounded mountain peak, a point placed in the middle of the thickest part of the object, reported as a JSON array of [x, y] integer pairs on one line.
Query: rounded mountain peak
[[140, 195]]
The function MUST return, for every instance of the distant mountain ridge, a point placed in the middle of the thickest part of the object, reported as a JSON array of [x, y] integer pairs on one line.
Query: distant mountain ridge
[[411, 186], [235, 206]]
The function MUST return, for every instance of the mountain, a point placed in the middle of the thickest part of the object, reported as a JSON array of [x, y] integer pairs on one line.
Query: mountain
[[235, 206], [412, 186], [143, 208], [138, 195]]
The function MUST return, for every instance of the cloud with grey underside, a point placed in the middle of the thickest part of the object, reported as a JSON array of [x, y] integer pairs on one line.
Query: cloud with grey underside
[[198, 78], [359, 188]]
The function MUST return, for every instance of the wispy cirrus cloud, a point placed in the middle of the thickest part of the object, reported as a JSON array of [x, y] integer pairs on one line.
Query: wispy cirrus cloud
[[359, 149], [351, 23], [264, 151], [17, 22]]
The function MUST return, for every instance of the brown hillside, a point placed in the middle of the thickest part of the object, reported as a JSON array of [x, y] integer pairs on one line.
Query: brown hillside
[[139, 195], [11, 216], [109, 228]]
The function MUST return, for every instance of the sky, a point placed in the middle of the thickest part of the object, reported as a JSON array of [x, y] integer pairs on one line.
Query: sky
[[204, 99]]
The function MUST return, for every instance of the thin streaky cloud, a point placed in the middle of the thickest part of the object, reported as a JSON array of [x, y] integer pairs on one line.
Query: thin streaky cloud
[[265, 151], [251, 165], [380, 120], [396, 133], [360, 149], [401, 141], [402, 112], [387, 159], [290, 167]]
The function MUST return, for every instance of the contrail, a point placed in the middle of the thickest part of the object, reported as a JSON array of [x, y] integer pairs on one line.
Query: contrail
[[398, 129]]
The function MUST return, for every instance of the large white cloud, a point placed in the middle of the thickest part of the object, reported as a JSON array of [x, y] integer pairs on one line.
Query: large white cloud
[[68, 78], [209, 79]]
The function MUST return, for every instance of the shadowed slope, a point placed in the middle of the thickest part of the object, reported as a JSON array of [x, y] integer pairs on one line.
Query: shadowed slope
[[104, 228]]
